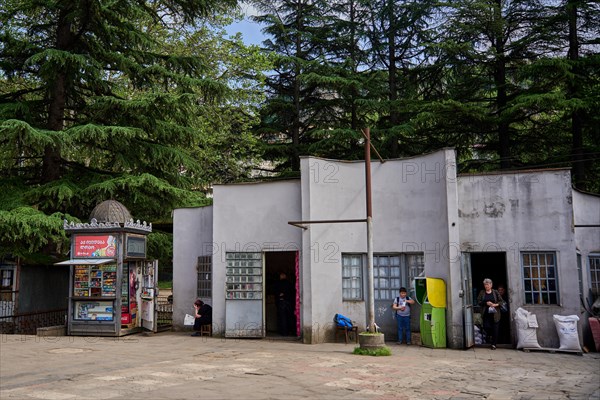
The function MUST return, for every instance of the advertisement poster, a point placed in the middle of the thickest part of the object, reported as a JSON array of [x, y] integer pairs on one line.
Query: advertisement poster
[[95, 246]]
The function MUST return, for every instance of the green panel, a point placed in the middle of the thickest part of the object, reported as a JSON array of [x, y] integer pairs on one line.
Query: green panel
[[433, 326], [421, 290]]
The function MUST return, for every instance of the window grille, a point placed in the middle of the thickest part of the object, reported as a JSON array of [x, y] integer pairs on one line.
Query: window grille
[[540, 278], [204, 268]]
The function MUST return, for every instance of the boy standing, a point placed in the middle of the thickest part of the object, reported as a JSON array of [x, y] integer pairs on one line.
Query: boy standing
[[401, 307]]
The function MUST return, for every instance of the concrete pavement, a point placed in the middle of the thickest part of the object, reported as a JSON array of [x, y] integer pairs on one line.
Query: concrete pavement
[[173, 365]]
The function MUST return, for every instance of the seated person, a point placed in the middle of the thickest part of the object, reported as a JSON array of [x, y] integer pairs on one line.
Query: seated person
[[203, 315]]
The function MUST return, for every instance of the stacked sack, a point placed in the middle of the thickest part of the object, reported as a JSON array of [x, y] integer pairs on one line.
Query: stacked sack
[[527, 325], [566, 327]]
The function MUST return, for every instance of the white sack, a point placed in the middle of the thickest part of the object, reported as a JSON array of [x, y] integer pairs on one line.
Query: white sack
[[566, 327], [526, 323]]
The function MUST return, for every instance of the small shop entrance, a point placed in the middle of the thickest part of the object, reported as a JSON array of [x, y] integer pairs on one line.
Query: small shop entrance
[[490, 265], [277, 263]]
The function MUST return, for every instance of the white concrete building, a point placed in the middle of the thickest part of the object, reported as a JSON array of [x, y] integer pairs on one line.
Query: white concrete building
[[519, 229]]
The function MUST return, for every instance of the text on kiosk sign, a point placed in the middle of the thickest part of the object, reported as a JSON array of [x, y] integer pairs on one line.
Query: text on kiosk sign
[[95, 246]]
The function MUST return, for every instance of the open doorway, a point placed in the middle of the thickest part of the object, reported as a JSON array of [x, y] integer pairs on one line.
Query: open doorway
[[276, 264], [490, 265]]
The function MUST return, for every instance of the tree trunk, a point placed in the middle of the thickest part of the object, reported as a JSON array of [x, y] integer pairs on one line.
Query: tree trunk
[[58, 98], [501, 96], [578, 171], [392, 83], [296, 118]]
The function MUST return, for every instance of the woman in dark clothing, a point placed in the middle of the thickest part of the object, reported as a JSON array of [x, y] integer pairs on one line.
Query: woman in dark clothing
[[203, 316], [490, 302]]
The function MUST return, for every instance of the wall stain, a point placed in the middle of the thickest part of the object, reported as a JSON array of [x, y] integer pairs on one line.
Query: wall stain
[[494, 210], [462, 214]]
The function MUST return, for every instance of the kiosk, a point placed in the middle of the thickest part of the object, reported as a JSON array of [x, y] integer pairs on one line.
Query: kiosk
[[112, 286], [431, 295]]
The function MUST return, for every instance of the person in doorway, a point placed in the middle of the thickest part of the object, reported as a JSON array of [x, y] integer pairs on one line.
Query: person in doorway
[[504, 327], [401, 308], [283, 301], [203, 316], [490, 302]]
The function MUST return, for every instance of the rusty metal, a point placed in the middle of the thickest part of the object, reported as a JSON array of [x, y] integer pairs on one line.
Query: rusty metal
[[372, 146], [300, 224]]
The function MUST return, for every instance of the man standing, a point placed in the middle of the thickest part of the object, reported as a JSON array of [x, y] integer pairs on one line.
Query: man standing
[[283, 300], [401, 307]]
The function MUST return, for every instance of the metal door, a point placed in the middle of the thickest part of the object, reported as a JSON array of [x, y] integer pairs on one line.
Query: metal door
[[467, 296], [244, 295], [149, 295]]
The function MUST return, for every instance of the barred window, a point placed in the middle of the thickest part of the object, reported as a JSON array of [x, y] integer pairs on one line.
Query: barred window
[[540, 278], [352, 286], [387, 277], [595, 274], [204, 268]]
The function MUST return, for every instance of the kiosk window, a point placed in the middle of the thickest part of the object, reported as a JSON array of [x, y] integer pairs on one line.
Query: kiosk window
[[94, 310]]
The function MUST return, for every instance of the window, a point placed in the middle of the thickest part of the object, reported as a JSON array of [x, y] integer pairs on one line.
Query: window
[[204, 268], [6, 285], [244, 276], [391, 272], [416, 267], [386, 276], [6, 279], [352, 277], [595, 274], [539, 278]]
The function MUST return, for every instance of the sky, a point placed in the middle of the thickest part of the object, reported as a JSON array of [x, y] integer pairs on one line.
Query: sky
[[250, 30]]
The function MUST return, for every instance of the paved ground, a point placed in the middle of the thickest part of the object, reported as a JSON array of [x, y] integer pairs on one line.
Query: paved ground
[[173, 365]]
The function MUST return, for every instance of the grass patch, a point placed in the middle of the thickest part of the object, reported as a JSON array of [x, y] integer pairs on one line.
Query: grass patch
[[165, 284], [380, 351]]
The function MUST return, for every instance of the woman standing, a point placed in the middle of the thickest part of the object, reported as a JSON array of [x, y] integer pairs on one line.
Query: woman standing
[[490, 302]]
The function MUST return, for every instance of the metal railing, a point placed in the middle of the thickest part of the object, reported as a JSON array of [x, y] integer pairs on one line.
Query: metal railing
[[28, 323]]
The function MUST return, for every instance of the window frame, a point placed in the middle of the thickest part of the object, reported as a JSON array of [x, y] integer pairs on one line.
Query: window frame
[[594, 258], [353, 279], [204, 277], [411, 265], [537, 284]]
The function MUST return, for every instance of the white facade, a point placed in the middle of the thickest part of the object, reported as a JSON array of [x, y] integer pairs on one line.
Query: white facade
[[424, 217]]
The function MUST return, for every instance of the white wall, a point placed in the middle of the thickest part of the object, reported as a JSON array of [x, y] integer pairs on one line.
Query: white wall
[[514, 212], [192, 237], [251, 217], [586, 209], [413, 201]]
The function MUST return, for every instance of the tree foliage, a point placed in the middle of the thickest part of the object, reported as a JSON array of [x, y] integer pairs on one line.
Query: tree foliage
[[509, 84], [123, 100]]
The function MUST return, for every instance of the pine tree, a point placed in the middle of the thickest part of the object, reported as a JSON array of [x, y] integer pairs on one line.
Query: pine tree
[[291, 108], [106, 100]]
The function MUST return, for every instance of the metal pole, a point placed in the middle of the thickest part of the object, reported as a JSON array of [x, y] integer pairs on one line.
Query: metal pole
[[367, 133]]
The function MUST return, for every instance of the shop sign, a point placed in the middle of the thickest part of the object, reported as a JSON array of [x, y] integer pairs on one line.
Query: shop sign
[[101, 246]]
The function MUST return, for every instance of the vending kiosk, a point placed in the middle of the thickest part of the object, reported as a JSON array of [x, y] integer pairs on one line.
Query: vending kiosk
[[112, 286], [431, 295]]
